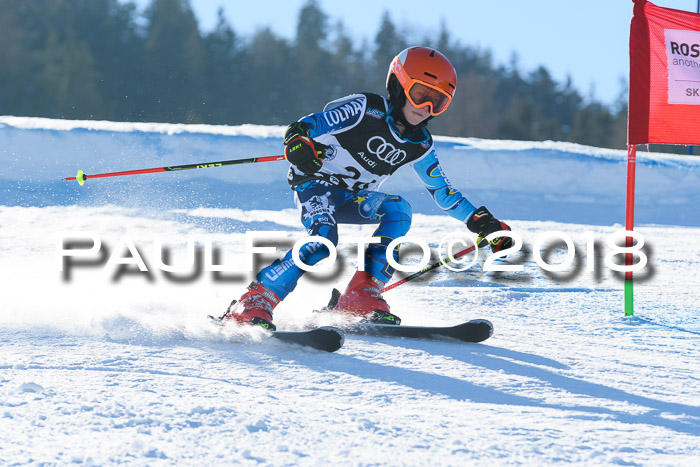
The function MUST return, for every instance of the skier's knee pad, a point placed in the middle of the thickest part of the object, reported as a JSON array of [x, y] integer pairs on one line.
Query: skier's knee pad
[[313, 252], [397, 211], [323, 227], [395, 220]]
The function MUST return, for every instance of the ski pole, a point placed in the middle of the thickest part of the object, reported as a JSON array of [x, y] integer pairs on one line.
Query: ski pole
[[82, 176], [433, 266]]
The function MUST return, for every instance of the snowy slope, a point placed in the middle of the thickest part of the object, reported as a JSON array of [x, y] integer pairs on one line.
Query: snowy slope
[[518, 180], [102, 365]]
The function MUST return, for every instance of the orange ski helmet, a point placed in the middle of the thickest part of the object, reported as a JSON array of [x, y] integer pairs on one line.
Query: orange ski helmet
[[426, 77]]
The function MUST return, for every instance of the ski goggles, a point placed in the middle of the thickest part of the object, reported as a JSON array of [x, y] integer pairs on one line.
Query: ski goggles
[[421, 94]]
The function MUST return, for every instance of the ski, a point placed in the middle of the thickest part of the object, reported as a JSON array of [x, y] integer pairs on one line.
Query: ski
[[326, 338], [477, 330]]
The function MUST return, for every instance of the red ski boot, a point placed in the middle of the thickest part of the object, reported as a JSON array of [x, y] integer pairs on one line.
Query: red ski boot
[[254, 307], [363, 298]]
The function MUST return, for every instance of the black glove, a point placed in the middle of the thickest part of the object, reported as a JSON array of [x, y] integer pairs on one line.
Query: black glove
[[302, 151], [483, 224]]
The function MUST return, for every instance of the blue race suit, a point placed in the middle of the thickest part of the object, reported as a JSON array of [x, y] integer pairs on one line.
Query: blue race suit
[[364, 149]]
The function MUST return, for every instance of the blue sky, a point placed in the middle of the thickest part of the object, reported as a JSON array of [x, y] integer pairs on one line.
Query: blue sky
[[585, 40]]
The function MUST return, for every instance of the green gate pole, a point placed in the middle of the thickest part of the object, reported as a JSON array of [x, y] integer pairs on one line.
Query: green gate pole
[[629, 226]]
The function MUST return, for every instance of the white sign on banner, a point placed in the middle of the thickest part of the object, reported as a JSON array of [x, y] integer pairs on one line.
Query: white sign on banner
[[683, 54]]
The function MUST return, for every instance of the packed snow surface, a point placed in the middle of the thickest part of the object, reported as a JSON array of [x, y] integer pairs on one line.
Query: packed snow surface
[[105, 363]]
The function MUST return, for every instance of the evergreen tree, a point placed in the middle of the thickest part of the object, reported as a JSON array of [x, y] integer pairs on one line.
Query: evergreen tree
[[108, 28], [592, 125], [69, 78], [387, 44], [269, 85], [224, 80], [19, 60], [471, 111], [311, 62], [174, 56], [96, 59], [346, 70]]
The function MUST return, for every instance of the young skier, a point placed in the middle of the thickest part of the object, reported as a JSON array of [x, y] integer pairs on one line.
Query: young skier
[[340, 157]]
